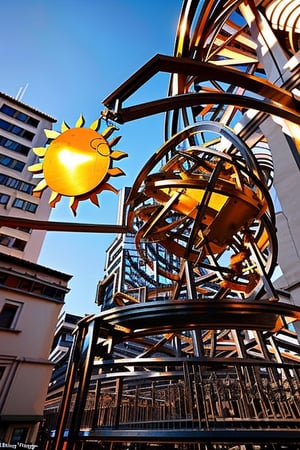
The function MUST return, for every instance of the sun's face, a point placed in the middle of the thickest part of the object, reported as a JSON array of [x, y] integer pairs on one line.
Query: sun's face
[[77, 163]]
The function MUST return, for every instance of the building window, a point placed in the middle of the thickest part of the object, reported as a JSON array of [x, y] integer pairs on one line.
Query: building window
[[4, 199], [69, 337], [12, 112], [11, 242], [19, 435], [25, 229], [25, 205], [12, 163], [8, 315], [13, 145], [26, 187], [15, 129], [2, 370], [14, 282], [14, 183], [19, 244], [9, 280]]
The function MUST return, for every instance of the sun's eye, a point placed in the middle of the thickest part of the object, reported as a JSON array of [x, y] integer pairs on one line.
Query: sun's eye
[[71, 167], [101, 147]]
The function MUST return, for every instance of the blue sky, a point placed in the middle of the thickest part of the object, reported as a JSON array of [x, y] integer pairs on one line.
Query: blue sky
[[71, 54]]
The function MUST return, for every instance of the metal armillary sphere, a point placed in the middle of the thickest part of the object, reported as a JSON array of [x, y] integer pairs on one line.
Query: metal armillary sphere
[[208, 204]]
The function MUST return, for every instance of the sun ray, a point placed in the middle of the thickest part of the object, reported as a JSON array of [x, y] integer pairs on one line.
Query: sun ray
[[40, 187], [116, 154], [115, 172], [77, 163], [73, 204], [64, 127], [108, 131], [80, 122], [109, 187], [94, 199], [51, 134], [36, 168], [114, 141], [55, 197], [40, 151], [95, 125]]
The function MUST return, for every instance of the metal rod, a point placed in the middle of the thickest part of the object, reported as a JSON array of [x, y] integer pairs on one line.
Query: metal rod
[[15, 222]]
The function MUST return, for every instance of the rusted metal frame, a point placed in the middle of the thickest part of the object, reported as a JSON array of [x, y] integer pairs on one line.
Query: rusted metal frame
[[198, 399], [270, 261], [179, 280], [197, 342], [168, 317], [264, 401], [118, 400], [204, 204], [202, 29], [192, 99], [200, 390], [201, 25], [95, 417], [255, 375], [263, 35], [210, 54], [252, 373], [65, 404], [213, 343], [254, 122], [188, 389], [192, 130], [85, 365], [153, 221], [272, 371], [195, 436], [71, 377], [190, 285], [244, 403], [269, 217], [161, 270], [293, 388], [170, 361], [213, 26], [188, 67], [268, 286], [198, 367], [187, 13], [156, 346], [13, 222]]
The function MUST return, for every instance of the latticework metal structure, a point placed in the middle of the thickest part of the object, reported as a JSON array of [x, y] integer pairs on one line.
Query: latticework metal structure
[[194, 348]]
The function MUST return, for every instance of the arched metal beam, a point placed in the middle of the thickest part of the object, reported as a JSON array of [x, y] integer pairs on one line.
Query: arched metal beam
[[195, 69], [161, 316], [185, 100]]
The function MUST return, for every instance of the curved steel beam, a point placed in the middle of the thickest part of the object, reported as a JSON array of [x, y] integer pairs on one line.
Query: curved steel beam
[[193, 435], [194, 99], [200, 70], [160, 316]]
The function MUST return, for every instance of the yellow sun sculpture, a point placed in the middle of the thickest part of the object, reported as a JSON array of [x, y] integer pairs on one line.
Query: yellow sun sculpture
[[77, 163]]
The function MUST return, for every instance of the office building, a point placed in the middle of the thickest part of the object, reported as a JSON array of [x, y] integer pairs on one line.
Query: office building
[[21, 129], [31, 296]]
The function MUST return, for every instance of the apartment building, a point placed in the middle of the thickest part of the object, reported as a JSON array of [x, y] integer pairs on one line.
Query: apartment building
[[31, 297], [21, 129]]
